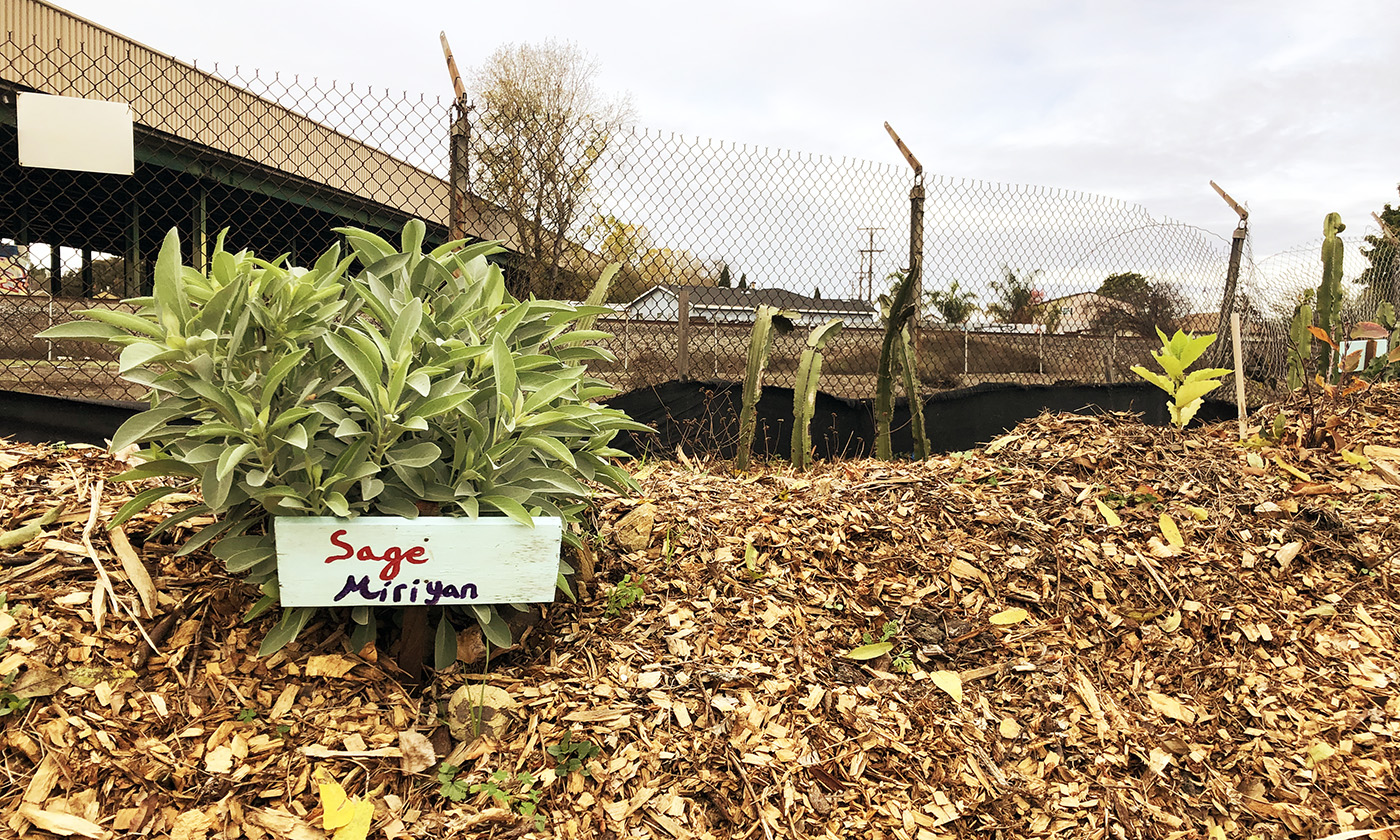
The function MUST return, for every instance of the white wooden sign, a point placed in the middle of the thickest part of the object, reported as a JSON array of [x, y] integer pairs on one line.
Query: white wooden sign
[[65, 132], [323, 561]]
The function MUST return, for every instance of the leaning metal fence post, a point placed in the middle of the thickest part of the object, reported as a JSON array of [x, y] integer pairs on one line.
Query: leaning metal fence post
[[458, 148], [1232, 276]]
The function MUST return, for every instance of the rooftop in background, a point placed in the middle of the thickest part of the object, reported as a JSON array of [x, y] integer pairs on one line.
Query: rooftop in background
[[723, 303]]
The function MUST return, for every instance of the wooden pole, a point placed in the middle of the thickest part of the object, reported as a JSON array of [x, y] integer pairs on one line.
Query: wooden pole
[[1239, 369], [458, 149], [683, 333], [1232, 273]]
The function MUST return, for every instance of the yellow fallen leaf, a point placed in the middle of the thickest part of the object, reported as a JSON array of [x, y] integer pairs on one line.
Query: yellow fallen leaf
[[1108, 515], [1199, 514], [871, 651], [950, 682], [1292, 470], [1014, 615], [1356, 460], [349, 817], [1170, 531]]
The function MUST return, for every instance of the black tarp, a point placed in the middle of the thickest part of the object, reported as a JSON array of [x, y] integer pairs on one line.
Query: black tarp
[[703, 417]]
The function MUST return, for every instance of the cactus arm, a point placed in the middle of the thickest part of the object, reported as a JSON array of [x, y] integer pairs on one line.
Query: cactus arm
[[804, 392], [1329, 292], [901, 308], [766, 320], [911, 392]]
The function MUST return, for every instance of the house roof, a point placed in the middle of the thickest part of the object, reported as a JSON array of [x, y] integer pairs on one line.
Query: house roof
[[722, 297]]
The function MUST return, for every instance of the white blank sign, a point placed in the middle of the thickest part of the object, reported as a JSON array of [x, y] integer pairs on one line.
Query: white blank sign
[[86, 135]]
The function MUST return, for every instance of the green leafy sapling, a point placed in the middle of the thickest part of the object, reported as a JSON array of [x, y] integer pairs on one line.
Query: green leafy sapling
[[1185, 391]]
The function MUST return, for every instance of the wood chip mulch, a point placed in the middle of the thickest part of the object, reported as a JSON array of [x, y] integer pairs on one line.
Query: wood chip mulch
[[1094, 629]]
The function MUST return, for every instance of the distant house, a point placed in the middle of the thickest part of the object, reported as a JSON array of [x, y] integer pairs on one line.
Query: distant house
[[1079, 312], [1200, 322], [719, 304]]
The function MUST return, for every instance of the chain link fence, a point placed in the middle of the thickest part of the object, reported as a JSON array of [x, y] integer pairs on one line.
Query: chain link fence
[[276, 162], [1020, 284]]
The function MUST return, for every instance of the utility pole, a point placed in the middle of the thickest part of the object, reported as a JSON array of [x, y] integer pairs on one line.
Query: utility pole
[[866, 279]]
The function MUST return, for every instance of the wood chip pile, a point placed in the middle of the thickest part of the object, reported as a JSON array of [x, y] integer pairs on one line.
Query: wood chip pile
[[1089, 628]]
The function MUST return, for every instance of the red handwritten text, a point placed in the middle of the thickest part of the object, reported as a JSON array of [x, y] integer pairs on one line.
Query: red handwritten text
[[392, 558]]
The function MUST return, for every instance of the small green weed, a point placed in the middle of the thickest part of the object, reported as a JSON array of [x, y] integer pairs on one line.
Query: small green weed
[[628, 592], [571, 755], [248, 715], [517, 794], [451, 787], [887, 631], [11, 703]]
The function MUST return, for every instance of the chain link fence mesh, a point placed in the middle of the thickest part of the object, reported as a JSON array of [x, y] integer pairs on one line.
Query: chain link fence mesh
[[1020, 284]]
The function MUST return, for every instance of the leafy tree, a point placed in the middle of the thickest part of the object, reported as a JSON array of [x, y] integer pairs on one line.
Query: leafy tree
[[617, 241], [1382, 277], [1020, 301], [1147, 306], [108, 278], [953, 305], [541, 129], [1129, 287]]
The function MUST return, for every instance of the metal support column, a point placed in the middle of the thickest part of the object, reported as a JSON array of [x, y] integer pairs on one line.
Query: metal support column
[[135, 277]]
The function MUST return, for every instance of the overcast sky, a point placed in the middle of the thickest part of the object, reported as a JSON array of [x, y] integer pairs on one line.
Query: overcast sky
[[1293, 107]]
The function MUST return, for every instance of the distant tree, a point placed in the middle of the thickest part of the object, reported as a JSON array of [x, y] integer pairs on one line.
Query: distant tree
[[678, 266], [743, 281], [953, 305], [541, 128], [607, 239], [724, 279], [1020, 301], [1382, 276], [1128, 286], [1142, 309], [108, 278], [618, 241]]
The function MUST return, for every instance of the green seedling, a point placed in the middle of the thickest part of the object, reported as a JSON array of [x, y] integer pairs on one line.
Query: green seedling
[[452, 787], [627, 592], [1185, 391], [572, 755], [516, 794]]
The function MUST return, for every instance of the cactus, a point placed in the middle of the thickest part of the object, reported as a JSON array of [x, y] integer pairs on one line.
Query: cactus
[[1329, 291], [1300, 337], [911, 392], [804, 392], [901, 309], [766, 320], [598, 296]]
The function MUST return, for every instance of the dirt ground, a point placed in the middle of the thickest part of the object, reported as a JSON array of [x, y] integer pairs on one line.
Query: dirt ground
[[1089, 628]]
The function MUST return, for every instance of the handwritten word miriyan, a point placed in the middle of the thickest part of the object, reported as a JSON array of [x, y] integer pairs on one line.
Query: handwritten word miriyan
[[393, 559]]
